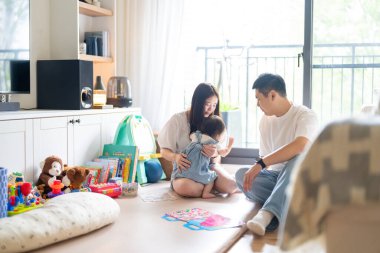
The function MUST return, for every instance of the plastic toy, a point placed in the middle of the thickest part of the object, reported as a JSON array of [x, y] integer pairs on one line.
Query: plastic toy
[[134, 130], [110, 189], [15, 177], [22, 198], [130, 189], [3, 192], [153, 170], [56, 189]]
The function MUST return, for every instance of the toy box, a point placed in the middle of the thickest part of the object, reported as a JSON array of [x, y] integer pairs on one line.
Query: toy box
[[110, 189]]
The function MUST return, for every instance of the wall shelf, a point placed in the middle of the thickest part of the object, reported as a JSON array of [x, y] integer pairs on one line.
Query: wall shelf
[[93, 11], [93, 58]]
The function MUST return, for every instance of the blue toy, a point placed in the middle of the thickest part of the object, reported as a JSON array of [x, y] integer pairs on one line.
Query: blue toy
[[134, 130], [153, 170], [3, 192]]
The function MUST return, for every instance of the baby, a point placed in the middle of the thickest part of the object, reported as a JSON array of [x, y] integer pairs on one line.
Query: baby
[[213, 131]]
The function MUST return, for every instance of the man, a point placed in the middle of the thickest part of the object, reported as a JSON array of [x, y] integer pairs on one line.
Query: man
[[285, 130]]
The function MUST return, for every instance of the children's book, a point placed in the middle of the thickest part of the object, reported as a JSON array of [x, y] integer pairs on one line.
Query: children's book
[[200, 219], [124, 151], [104, 172], [93, 176]]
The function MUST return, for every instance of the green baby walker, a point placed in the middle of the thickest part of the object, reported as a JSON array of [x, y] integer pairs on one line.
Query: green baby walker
[[135, 130]]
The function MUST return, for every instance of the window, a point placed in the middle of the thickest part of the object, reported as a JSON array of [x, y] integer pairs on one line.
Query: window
[[229, 43]]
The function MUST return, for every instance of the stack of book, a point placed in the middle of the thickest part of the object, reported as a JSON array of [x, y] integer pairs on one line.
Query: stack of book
[[117, 161], [97, 43]]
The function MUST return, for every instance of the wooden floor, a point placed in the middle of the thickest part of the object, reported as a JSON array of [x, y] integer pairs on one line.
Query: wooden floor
[[250, 242]]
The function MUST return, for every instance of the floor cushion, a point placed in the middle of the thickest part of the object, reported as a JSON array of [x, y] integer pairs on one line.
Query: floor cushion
[[62, 217]]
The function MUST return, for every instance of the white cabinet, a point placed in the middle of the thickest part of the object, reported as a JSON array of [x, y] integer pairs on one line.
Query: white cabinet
[[75, 139], [28, 137], [50, 138], [110, 123], [16, 146]]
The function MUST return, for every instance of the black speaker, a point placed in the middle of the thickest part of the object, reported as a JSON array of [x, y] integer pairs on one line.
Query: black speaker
[[64, 84]]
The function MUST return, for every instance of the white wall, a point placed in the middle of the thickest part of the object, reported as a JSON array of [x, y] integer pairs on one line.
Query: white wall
[[39, 47]]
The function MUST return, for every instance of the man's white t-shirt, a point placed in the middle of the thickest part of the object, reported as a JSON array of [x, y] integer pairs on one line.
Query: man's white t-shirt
[[276, 132]]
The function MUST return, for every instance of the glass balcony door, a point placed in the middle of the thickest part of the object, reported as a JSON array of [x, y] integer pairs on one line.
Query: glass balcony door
[[258, 36], [346, 57]]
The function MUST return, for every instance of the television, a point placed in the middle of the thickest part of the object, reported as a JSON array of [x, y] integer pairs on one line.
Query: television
[[14, 48]]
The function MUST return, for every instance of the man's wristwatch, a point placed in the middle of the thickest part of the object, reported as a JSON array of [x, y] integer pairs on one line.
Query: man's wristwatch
[[261, 162]]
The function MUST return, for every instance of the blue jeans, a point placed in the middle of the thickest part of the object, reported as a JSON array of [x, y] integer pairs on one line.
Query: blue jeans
[[268, 188]]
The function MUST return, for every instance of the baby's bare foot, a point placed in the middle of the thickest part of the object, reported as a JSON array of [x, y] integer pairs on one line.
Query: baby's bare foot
[[208, 195]]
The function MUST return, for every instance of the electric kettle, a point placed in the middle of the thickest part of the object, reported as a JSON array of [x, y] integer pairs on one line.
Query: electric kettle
[[119, 91]]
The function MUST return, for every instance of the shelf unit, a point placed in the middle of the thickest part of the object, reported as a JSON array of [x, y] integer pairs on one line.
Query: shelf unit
[[70, 19], [93, 11], [95, 59]]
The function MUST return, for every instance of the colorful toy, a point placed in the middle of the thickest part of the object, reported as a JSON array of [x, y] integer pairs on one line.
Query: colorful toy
[[3, 192], [56, 189], [110, 189], [22, 198], [200, 219], [52, 168], [134, 130], [130, 189], [15, 177]]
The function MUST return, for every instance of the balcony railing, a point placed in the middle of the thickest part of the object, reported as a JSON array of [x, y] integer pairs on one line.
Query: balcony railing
[[344, 78]]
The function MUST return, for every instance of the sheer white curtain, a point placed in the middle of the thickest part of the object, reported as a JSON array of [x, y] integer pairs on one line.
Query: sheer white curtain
[[151, 56]]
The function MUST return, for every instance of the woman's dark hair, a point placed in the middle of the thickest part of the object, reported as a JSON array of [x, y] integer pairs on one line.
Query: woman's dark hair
[[213, 126], [267, 82], [201, 93]]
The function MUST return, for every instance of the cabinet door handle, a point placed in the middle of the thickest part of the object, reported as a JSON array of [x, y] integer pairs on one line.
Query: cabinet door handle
[[77, 120], [71, 121]]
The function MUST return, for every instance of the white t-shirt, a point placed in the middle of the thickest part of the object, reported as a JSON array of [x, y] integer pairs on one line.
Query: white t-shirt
[[276, 132], [175, 135]]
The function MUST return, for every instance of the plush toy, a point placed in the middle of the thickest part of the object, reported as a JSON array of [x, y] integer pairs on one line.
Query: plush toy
[[77, 175], [52, 168]]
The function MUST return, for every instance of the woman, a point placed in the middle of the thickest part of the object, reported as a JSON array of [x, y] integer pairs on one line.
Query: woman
[[175, 136]]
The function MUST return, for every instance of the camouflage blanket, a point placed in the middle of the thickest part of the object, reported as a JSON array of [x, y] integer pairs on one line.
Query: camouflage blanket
[[341, 167]]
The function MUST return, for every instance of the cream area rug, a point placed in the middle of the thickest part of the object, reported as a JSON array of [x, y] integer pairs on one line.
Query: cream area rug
[[141, 228]]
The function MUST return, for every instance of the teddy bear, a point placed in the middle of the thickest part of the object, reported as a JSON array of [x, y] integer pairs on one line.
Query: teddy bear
[[77, 175], [52, 168]]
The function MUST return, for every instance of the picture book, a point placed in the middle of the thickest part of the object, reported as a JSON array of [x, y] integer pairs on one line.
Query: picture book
[[103, 174], [93, 176], [124, 152], [200, 219]]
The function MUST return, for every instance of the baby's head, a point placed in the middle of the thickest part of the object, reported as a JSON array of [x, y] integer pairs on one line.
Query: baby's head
[[214, 127]]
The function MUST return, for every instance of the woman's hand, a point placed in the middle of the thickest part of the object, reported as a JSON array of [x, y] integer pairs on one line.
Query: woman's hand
[[181, 161], [249, 176], [209, 150]]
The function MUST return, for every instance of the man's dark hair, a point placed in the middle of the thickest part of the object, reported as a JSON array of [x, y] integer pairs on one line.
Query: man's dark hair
[[213, 126], [267, 82]]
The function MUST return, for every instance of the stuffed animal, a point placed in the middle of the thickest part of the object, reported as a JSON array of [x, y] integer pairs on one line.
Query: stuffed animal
[[77, 175], [51, 170]]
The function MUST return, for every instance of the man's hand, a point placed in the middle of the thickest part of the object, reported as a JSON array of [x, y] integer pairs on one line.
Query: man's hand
[[181, 161], [209, 150], [250, 175]]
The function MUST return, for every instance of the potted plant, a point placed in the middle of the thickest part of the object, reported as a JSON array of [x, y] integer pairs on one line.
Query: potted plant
[[232, 118]]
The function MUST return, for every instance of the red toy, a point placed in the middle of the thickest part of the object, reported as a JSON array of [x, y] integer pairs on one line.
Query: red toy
[[56, 189], [110, 189]]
